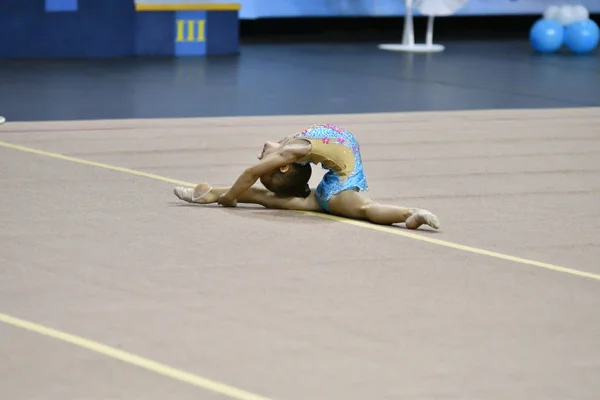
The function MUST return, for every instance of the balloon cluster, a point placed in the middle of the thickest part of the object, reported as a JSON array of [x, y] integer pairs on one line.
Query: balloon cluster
[[568, 25]]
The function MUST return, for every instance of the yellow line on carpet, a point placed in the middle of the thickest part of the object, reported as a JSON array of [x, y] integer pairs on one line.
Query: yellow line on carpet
[[457, 246], [133, 359], [380, 228], [92, 163]]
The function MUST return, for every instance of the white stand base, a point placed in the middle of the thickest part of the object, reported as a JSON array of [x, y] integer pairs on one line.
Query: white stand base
[[2, 120], [408, 36], [413, 48]]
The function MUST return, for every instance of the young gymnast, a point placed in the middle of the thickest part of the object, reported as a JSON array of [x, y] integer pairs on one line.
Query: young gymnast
[[284, 169]]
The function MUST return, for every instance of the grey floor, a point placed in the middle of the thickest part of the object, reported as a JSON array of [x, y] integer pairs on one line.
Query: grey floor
[[299, 79]]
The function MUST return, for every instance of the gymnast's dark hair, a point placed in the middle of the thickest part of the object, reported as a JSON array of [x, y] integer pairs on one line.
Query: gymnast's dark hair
[[292, 183]]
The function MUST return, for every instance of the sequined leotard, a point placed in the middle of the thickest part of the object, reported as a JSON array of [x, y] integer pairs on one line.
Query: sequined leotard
[[337, 151]]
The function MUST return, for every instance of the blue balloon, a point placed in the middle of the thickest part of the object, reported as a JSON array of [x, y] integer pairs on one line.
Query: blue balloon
[[546, 35], [582, 36]]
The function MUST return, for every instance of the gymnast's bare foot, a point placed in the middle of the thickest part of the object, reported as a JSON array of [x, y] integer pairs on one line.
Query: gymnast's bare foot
[[422, 217], [201, 194]]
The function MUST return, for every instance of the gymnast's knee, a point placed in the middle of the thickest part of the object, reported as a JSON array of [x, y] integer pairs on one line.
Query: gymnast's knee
[[366, 210]]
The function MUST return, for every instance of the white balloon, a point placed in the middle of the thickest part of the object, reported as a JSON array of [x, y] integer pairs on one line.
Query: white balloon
[[580, 13], [565, 15], [552, 12]]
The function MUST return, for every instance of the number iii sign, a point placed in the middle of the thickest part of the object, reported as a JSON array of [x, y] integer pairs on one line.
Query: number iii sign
[[190, 30]]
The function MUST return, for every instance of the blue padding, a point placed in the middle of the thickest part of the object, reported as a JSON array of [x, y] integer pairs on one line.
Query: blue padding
[[222, 31], [189, 29], [61, 5], [111, 28], [154, 34]]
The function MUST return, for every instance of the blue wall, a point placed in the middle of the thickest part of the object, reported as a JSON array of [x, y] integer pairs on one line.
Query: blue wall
[[252, 9]]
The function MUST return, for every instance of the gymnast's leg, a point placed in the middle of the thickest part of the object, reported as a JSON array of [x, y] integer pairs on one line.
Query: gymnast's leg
[[352, 204], [203, 193]]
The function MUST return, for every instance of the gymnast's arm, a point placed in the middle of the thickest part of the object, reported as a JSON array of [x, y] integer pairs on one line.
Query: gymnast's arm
[[269, 200], [252, 174]]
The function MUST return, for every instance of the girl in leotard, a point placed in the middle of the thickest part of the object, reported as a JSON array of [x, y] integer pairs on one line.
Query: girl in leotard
[[284, 169]]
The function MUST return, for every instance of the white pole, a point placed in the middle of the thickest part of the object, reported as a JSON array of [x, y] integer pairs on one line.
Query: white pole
[[409, 34], [430, 30]]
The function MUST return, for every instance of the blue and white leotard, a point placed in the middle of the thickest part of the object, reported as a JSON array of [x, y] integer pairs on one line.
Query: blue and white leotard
[[338, 151]]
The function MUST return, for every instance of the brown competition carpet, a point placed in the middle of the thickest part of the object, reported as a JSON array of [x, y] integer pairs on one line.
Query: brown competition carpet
[[298, 307]]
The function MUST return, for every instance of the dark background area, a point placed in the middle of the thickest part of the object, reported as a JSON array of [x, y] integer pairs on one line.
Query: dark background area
[[312, 66], [378, 28]]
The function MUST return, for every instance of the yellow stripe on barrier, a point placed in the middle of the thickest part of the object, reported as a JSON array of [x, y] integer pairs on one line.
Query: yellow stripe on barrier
[[189, 7]]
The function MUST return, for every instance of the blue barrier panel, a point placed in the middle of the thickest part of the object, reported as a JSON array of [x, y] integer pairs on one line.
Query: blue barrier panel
[[107, 28], [115, 28], [154, 34], [195, 29], [222, 31], [95, 29], [190, 33]]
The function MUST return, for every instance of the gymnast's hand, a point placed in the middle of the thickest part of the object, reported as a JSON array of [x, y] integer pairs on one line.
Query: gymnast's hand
[[226, 201]]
